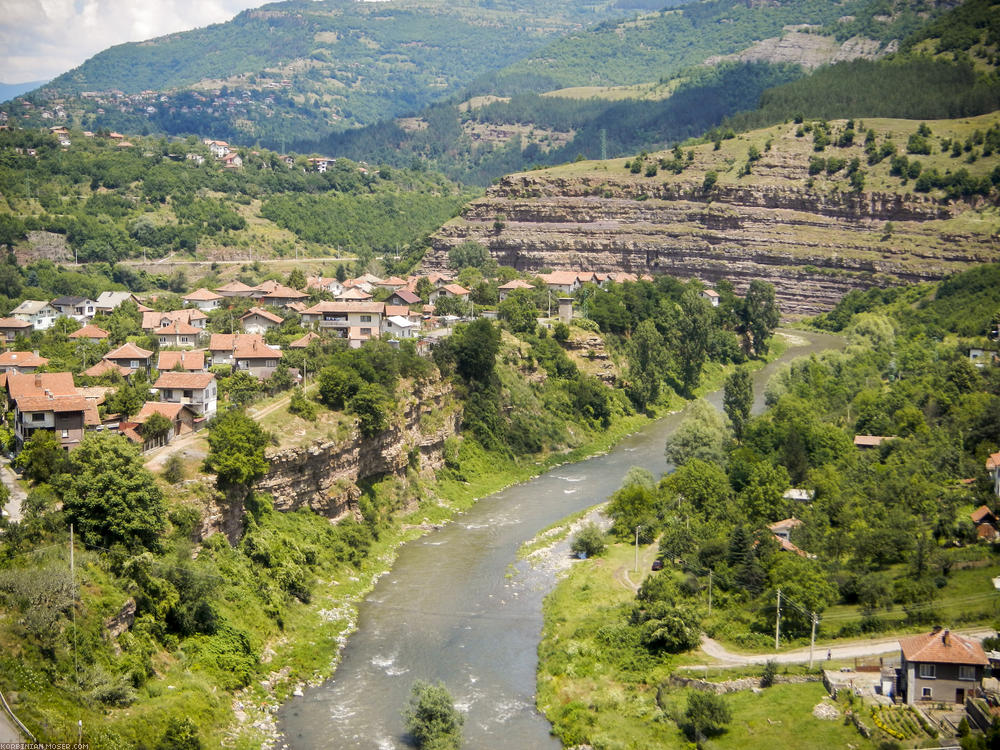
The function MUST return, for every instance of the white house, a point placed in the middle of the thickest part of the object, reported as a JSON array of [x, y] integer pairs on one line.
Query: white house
[[38, 313], [203, 299], [400, 327], [711, 295], [195, 389]]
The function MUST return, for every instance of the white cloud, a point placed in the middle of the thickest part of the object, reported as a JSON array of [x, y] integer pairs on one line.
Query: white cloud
[[39, 39]]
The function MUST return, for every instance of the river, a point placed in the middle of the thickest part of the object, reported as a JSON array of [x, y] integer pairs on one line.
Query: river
[[459, 608]]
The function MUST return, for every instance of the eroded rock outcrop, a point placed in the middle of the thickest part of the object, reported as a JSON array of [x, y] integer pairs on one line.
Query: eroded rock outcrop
[[814, 242], [323, 475]]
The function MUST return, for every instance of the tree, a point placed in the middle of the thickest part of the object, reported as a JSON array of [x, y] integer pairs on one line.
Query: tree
[[370, 404], [475, 349], [156, 426], [702, 435], [703, 484], [42, 457], [341, 273], [236, 450], [432, 718], [128, 398], [471, 254], [632, 506], [297, 279], [589, 541], [647, 363], [738, 399], [694, 331], [424, 288], [762, 495], [760, 315], [337, 385], [451, 305], [707, 714], [181, 734], [518, 311], [110, 496]]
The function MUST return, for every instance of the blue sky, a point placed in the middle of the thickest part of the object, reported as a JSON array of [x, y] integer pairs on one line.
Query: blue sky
[[39, 39]]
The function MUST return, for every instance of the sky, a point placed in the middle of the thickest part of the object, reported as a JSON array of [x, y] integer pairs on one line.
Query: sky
[[39, 39]]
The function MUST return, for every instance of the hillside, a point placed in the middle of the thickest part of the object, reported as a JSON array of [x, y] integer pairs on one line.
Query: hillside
[[817, 208], [290, 69], [104, 199]]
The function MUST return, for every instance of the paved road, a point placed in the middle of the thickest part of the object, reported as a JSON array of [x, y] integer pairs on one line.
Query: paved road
[[849, 650], [12, 510], [7, 731]]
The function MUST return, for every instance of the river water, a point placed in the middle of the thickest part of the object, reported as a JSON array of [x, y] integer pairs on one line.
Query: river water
[[459, 608]]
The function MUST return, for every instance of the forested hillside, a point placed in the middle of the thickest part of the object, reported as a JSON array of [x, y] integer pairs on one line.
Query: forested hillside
[[108, 200], [881, 541], [292, 69]]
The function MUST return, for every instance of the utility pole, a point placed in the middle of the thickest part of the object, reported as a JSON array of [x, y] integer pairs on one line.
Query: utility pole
[[777, 622], [604, 144], [637, 548], [812, 640], [709, 593]]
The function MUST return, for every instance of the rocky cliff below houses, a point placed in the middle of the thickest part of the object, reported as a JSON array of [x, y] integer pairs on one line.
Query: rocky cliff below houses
[[324, 475], [811, 236]]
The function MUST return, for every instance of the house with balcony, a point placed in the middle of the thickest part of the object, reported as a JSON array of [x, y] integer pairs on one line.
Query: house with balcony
[[340, 317], [196, 390], [244, 351], [179, 335], [49, 401], [78, 308], [192, 316]]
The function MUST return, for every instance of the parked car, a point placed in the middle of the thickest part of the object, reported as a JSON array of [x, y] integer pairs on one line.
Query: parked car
[[657, 564]]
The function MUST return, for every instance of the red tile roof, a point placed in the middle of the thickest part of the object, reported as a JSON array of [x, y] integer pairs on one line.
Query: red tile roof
[[89, 332], [196, 380], [516, 284], [284, 292], [456, 289], [104, 366], [177, 328], [168, 409], [943, 647], [407, 296], [202, 295], [254, 347], [993, 461], [980, 513], [14, 323], [871, 441], [303, 342], [36, 383], [128, 351], [234, 287], [22, 359], [345, 307], [264, 314], [189, 360]]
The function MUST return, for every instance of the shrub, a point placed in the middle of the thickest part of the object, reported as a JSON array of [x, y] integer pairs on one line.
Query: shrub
[[173, 471], [770, 670], [589, 542], [432, 718]]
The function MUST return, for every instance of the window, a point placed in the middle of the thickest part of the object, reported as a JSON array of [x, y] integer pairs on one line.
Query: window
[[168, 394], [65, 434], [38, 417], [966, 672], [187, 394], [928, 671], [366, 318], [925, 694]]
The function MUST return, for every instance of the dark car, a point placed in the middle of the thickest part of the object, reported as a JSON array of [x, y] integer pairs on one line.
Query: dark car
[[657, 564]]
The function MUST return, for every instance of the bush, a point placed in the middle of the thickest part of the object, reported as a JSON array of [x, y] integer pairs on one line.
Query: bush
[[707, 715], [173, 471], [589, 542], [770, 670], [302, 406], [432, 718]]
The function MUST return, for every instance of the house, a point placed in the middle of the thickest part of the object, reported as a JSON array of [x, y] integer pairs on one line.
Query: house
[[353, 294], [871, 441], [188, 361], [178, 335], [511, 286], [982, 357], [78, 308], [940, 666], [235, 289], [711, 295], [305, 341], [563, 282], [356, 337], [131, 356], [260, 321], [49, 401], [324, 284], [191, 316], [783, 529], [244, 351], [218, 148], [391, 284], [282, 296], [993, 467], [38, 313], [108, 301], [340, 317], [232, 160], [89, 332], [183, 419], [203, 299], [403, 311], [985, 522], [104, 366], [11, 328], [451, 290], [400, 327], [403, 297], [799, 495], [21, 362], [196, 390]]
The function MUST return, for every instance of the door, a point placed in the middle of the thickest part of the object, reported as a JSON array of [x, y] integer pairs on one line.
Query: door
[[960, 695]]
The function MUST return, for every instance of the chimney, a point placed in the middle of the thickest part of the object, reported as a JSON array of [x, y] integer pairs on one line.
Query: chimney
[[38, 380], [946, 638]]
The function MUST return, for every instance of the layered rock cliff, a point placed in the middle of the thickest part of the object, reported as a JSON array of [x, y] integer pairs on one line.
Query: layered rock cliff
[[324, 475], [814, 236]]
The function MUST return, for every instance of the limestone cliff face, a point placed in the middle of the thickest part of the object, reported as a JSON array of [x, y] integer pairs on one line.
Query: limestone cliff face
[[814, 242], [323, 476]]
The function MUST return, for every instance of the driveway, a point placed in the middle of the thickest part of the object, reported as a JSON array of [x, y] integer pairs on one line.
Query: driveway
[[12, 510]]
